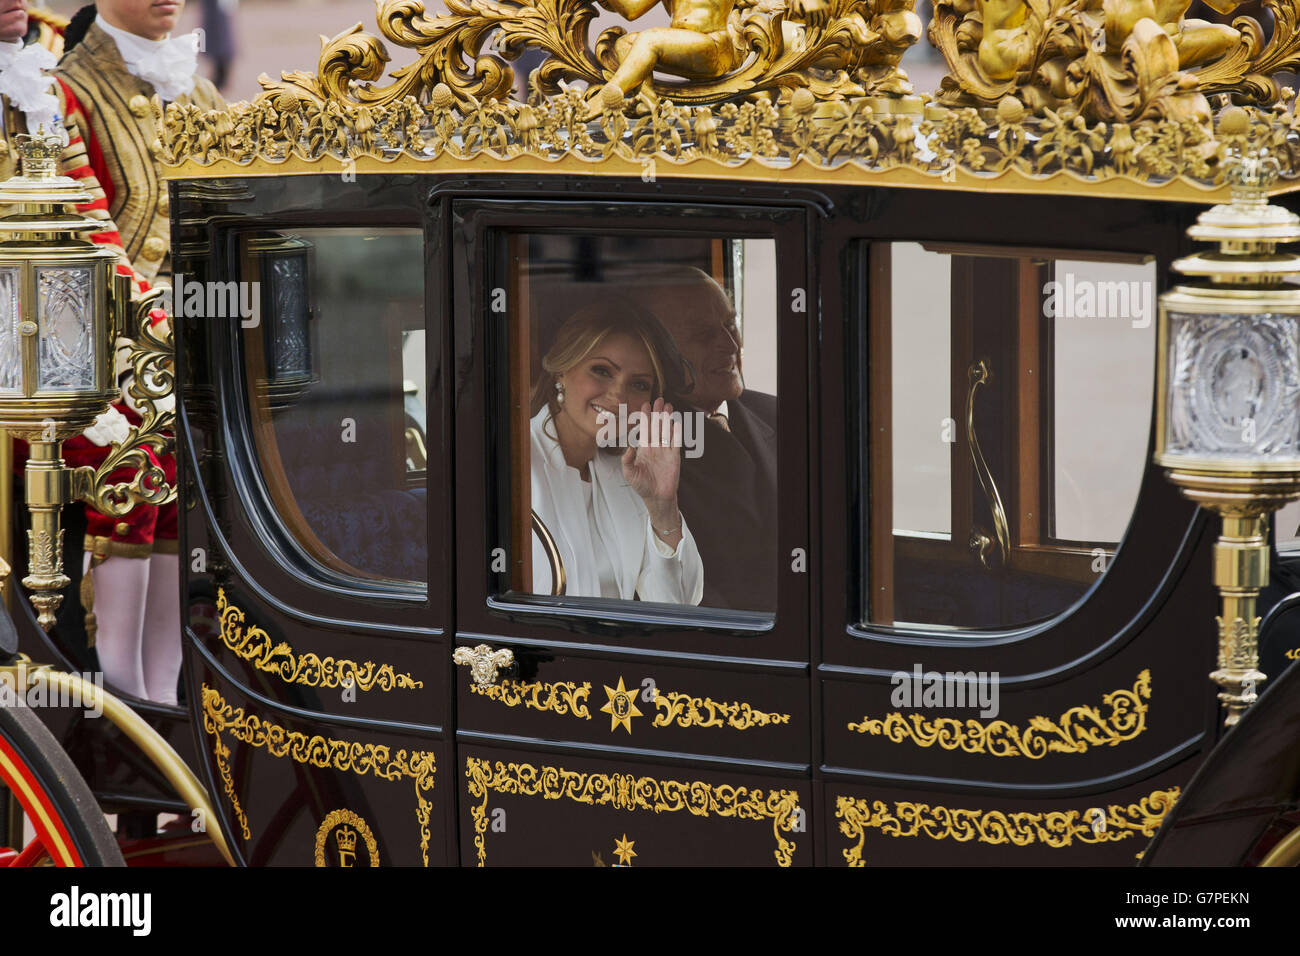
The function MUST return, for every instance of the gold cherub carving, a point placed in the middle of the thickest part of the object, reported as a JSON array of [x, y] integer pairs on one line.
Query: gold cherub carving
[[722, 49]]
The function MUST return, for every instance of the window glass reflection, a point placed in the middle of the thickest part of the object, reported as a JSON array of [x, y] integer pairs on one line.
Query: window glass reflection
[[1004, 453], [337, 388]]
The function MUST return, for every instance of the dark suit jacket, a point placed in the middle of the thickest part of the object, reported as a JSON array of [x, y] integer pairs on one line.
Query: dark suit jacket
[[728, 496]]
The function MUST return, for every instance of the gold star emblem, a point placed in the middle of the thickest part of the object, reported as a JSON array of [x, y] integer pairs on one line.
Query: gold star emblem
[[623, 850], [621, 706]]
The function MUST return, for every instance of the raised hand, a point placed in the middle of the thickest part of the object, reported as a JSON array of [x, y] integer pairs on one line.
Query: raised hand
[[654, 470]]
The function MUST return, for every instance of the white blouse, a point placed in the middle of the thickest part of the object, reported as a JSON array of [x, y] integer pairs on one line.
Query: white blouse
[[603, 532]]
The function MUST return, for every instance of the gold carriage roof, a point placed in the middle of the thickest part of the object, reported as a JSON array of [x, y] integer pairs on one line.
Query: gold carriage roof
[[1123, 98]]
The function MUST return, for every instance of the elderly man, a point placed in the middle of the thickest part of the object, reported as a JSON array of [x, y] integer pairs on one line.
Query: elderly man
[[728, 494]]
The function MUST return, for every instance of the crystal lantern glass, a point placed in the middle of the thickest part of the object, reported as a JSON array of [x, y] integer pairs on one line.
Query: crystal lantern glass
[[1228, 417]]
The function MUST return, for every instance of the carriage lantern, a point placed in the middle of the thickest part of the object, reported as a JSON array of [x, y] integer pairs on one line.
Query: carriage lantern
[[62, 306], [1228, 429]]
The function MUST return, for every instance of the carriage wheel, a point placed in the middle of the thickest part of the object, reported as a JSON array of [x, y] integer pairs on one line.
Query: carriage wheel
[[70, 828]]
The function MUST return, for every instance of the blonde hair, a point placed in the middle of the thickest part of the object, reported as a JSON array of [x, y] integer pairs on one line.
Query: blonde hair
[[591, 325]]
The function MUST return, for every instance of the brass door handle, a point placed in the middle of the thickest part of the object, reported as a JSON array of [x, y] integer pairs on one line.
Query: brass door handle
[[552, 555], [979, 540], [484, 663]]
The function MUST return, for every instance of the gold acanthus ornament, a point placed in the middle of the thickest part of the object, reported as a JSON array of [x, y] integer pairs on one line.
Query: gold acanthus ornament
[[152, 360], [1113, 60], [1073, 732], [253, 644], [361, 758], [629, 792], [1053, 828], [720, 50], [675, 708]]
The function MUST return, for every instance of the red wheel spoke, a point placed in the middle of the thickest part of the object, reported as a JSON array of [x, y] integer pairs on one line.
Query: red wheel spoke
[[31, 855]]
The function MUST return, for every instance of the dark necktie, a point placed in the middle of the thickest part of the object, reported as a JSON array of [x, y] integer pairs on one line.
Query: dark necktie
[[721, 420]]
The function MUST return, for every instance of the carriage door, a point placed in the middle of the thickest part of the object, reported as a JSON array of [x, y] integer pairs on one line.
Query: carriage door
[[1001, 685], [633, 627], [1011, 515]]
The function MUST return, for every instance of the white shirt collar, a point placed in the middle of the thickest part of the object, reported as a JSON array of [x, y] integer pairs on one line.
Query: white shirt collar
[[9, 50], [722, 410], [168, 64], [134, 49]]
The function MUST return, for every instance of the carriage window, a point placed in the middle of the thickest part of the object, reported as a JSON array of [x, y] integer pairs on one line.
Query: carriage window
[[606, 501], [1010, 398], [337, 389]]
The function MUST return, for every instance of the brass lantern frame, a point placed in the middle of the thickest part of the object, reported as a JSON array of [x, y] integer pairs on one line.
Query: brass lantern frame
[[1246, 278], [44, 234]]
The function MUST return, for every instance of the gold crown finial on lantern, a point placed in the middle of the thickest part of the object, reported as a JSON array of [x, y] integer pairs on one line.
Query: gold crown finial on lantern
[[1250, 172], [39, 153]]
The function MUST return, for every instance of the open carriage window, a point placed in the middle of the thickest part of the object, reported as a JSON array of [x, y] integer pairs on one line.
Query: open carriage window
[[1010, 396], [642, 409], [336, 377]]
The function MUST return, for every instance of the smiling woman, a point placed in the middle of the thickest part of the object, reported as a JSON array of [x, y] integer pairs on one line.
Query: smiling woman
[[612, 506], [651, 465]]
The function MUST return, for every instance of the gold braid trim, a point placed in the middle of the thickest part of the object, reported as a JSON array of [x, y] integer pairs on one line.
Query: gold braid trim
[[1054, 828], [628, 792], [254, 645], [102, 547], [324, 752], [1072, 733]]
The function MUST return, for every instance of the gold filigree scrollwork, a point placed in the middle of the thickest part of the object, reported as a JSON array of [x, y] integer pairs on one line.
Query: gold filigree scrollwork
[[740, 47], [254, 645], [1059, 150], [346, 756], [1121, 61], [564, 697], [221, 754], [1053, 828], [687, 711], [1116, 64], [152, 359], [684, 710], [1073, 732], [628, 792]]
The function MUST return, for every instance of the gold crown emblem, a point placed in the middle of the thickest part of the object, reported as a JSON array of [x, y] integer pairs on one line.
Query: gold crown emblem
[[39, 145], [346, 838]]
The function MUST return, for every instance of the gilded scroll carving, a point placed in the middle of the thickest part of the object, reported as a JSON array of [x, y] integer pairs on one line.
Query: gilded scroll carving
[[1053, 828], [345, 756], [674, 708], [628, 792], [253, 644], [1113, 60], [1073, 732], [687, 711], [719, 49], [1060, 149], [560, 698]]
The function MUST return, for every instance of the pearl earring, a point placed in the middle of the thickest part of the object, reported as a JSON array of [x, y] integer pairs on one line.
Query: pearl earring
[[559, 396]]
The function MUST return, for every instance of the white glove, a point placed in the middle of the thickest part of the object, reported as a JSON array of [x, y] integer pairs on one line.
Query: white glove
[[108, 428]]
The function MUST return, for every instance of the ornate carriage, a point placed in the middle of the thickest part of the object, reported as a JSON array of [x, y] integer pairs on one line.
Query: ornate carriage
[[947, 308]]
